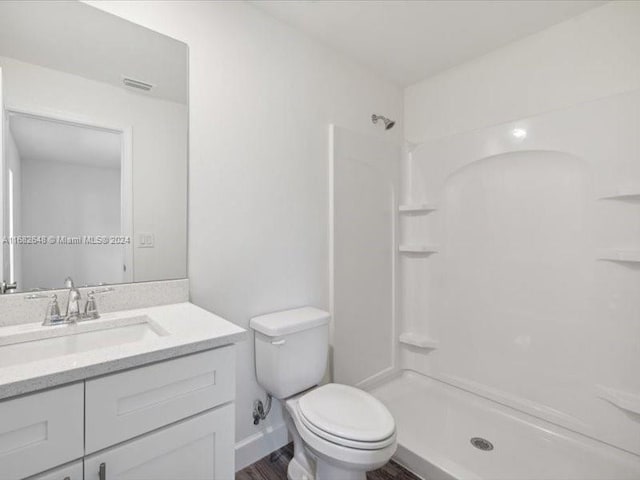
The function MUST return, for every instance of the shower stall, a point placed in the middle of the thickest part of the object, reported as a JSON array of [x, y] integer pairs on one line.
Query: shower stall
[[486, 287]]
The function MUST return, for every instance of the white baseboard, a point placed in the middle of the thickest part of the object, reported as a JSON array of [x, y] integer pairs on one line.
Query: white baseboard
[[260, 444]]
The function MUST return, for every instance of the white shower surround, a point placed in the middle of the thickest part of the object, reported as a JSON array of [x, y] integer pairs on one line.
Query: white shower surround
[[518, 296], [575, 64], [532, 294]]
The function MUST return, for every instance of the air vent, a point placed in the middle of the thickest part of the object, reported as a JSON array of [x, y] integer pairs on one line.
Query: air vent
[[130, 82]]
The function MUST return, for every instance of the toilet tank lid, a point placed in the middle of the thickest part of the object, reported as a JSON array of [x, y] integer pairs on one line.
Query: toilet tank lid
[[289, 321]]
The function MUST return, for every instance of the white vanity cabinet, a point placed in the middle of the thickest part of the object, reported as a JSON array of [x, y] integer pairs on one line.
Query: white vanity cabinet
[[169, 420], [41, 431], [199, 448]]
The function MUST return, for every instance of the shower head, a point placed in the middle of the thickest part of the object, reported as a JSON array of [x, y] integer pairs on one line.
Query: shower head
[[388, 124]]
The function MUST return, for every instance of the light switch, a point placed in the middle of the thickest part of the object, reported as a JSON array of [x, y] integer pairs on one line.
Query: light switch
[[145, 240]]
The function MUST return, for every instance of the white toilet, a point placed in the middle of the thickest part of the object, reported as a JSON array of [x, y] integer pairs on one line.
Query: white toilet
[[339, 432]]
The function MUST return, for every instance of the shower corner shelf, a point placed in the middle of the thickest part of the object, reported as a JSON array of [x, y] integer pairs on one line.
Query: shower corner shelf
[[619, 255], [623, 400], [421, 249], [418, 340], [417, 208]]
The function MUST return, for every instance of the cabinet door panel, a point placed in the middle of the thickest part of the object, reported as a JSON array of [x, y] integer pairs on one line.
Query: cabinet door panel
[[72, 471], [200, 448], [124, 405], [41, 431]]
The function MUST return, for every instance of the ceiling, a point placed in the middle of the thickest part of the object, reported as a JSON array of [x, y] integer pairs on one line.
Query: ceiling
[[408, 41], [76, 38], [40, 139]]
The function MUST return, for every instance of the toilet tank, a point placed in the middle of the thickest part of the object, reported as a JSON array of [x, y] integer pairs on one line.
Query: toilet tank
[[291, 349]]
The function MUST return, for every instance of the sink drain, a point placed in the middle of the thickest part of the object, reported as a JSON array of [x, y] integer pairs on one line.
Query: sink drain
[[482, 444]]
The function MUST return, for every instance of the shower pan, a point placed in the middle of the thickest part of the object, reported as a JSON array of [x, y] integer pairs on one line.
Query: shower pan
[[508, 343]]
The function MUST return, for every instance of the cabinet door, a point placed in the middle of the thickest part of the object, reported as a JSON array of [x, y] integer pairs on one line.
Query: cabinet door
[[72, 471], [199, 448], [128, 404], [41, 431]]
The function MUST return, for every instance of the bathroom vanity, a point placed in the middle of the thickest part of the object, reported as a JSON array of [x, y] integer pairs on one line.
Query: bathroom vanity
[[145, 393]]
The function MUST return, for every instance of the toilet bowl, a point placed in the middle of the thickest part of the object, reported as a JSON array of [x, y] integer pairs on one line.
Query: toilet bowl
[[344, 443], [339, 432]]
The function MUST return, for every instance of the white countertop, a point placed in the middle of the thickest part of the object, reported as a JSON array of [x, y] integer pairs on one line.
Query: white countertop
[[189, 329]]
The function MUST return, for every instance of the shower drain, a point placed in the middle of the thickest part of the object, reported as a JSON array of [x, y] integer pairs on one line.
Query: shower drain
[[482, 443]]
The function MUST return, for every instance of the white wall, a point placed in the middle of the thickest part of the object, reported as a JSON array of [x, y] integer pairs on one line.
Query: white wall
[[50, 207], [159, 138], [261, 99], [516, 293], [591, 56]]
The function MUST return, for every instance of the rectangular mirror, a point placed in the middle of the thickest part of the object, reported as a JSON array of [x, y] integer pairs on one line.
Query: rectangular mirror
[[94, 142]]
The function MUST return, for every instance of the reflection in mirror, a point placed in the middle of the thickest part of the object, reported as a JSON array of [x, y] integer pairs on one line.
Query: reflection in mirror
[[66, 178], [94, 140]]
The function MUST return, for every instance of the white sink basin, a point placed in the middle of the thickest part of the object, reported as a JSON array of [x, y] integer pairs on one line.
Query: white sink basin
[[50, 342]]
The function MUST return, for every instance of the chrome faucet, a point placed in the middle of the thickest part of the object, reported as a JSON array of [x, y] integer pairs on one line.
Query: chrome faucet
[[73, 302], [74, 313]]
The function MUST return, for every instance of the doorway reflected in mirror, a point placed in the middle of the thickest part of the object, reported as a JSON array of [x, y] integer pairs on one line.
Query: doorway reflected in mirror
[[68, 202]]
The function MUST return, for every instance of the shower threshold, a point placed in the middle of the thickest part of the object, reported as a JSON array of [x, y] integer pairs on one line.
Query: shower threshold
[[447, 433]]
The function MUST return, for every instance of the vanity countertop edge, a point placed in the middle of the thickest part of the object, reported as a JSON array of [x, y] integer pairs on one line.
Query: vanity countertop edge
[[190, 329]]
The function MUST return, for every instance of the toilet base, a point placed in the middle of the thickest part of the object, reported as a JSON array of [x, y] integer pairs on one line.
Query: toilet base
[[295, 471], [323, 471], [328, 471], [301, 466]]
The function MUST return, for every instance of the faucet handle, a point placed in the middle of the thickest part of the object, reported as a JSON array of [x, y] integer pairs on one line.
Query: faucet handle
[[52, 316], [53, 311], [91, 307]]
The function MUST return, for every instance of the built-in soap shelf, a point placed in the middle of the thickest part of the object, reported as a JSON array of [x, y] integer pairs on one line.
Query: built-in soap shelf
[[419, 249], [417, 208], [418, 340], [623, 400], [621, 193], [619, 255]]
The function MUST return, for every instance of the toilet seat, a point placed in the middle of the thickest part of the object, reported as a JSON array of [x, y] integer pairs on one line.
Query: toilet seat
[[347, 416]]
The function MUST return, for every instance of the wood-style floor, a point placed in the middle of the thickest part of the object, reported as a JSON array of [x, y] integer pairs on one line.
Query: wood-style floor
[[274, 467]]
